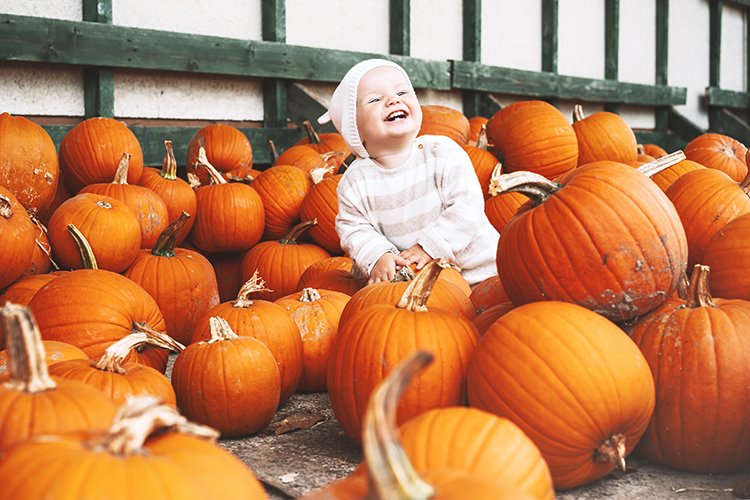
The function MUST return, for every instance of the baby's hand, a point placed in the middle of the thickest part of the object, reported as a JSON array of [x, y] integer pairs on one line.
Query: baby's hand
[[385, 268], [416, 254]]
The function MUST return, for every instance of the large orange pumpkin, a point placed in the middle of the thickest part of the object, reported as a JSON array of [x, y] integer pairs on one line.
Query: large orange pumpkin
[[728, 256], [323, 143], [444, 120], [485, 164], [603, 136], [90, 152], [28, 162], [571, 380], [668, 176], [720, 152], [322, 203], [500, 207], [226, 148], [18, 236], [282, 189]]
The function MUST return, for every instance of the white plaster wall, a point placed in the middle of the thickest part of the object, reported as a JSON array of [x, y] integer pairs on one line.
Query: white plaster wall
[[70, 10], [732, 75], [580, 42], [436, 29], [45, 90], [637, 55], [512, 34]]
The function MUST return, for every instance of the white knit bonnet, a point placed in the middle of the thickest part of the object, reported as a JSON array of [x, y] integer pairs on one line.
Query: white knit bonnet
[[342, 110]]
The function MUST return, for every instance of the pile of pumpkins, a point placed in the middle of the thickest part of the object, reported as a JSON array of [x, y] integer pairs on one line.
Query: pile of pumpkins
[[601, 334]]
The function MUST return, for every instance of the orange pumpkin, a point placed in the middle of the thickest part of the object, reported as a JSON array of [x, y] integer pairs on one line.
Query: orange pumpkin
[[477, 124], [603, 136], [484, 320], [668, 176], [282, 189], [485, 164], [24, 289], [348, 282], [225, 146], [728, 256], [653, 150], [444, 120], [306, 158], [571, 380], [54, 352], [18, 236], [28, 162], [315, 269], [90, 152], [228, 268], [41, 255], [322, 203], [720, 152], [487, 294], [500, 207], [229, 382], [323, 143]]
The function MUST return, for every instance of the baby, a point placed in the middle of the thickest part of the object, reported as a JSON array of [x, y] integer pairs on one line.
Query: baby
[[405, 199]]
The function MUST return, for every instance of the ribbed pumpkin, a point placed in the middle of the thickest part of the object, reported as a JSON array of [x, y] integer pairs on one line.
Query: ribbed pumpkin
[[230, 216], [181, 281], [348, 282], [605, 238], [487, 293], [476, 125], [41, 255], [485, 164], [54, 352], [706, 200], [62, 193], [229, 382], [728, 256], [323, 143], [322, 203], [533, 136], [18, 236], [265, 321], [95, 216], [372, 341], [28, 162], [571, 380], [149, 451], [699, 353], [338, 262], [119, 379], [90, 152], [486, 318], [603, 136], [148, 207], [226, 148], [653, 150], [316, 313], [668, 176], [31, 402], [719, 152], [444, 120], [228, 267], [177, 194], [24, 289], [306, 158], [282, 189]]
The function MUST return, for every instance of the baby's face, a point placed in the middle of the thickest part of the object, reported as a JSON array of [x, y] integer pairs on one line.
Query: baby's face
[[388, 112]]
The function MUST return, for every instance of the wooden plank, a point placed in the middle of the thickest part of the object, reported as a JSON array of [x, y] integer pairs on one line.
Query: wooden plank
[[98, 83], [661, 115], [472, 50], [683, 127], [728, 123], [550, 11], [714, 43], [303, 107], [400, 27], [611, 44], [469, 75], [727, 98], [34, 39], [273, 20], [152, 141]]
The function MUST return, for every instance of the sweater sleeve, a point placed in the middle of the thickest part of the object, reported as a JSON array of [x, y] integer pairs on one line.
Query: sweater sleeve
[[360, 239], [463, 202]]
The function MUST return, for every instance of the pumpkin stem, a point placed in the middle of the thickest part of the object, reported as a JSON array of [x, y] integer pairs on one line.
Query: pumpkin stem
[[416, 294], [164, 246], [640, 149], [654, 167], [193, 180], [272, 151], [494, 187], [536, 187], [202, 161], [309, 295], [578, 113], [347, 161], [220, 330], [26, 360], [698, 293], [312, 135], [318, 174], [613, 451], [254, 284], [291, 237], [138, 419], [115, 354], [6, 209], [403, 274], [391, 474], [84, 248], [169, 163], [482, 142], [121, 174]]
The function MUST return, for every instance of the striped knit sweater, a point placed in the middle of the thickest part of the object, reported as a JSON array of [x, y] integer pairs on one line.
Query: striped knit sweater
[[434, 199]]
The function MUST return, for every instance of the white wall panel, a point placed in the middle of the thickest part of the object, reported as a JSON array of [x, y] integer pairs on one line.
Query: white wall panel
[[580, 44], [38, 89], [436, 29], [637, 54], [512, 34], [688, 55], [70, 10], [733, 48]]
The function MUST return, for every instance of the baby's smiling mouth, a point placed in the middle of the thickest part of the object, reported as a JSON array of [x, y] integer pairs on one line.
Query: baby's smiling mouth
[[396, 115]]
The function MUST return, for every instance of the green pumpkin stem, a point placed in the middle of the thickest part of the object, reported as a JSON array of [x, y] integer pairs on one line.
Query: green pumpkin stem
[[613, 451], [27, 363], [272, 152], [84, 248], [312, 135], [698, 293], [536, 187], [391, 474], [169, 163], [115, 354], [291, 237], [164, 246], [254, 284], [121, 174], [654, 167], [416, 294], [202, 161], [220, 330]]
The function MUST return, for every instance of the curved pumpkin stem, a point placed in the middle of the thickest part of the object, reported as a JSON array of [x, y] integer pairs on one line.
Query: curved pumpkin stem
[[654, 167], [6, 209], [115, 354], [84, 248], [202, 161], [640, 149], [578, 113], [309, 295], [254, 284], [536, 187], [494, 187], [416, 294], [698, 293], [272, 151], [312, 135], [320, 173], [164, 246], [141, 417], [482, 142], [293, 234], [220, 330], [613, 451], [26, 358], [391, 474], [169, 163], [121, 174]]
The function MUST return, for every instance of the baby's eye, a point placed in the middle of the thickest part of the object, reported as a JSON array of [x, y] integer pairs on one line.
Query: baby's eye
[[373, 99], [402, 92]]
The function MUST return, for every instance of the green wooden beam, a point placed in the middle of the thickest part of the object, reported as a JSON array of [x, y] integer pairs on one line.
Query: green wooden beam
[[474, 76], [303, 107], [665, 139], [35, 39], [727, 98], [662, 59], [472, 51], [550, 11], [683, 127], [98, 83], [728, 123], [275, 106], [152, 141], [611, 43], [400, 27], [742, 3]]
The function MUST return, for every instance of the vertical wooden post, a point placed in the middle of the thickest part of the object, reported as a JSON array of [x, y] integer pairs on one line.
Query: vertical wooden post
[[275, 107], [550, 14], [472, 41], [400, 27], [98, 83], [662, 60], [611, 44], [714, 60]]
